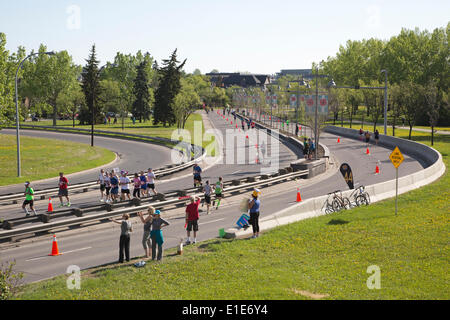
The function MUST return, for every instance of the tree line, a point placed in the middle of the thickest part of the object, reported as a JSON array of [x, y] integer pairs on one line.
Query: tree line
[[53, 86], [417, 63]]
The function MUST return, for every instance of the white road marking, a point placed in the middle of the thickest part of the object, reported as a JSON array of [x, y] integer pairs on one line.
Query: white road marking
[[211, 221], [77, 250], [236, 171], [38, 258]]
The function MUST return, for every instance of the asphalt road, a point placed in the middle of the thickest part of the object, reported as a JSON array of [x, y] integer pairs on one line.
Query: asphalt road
[[228, 169], [89, 248], [132, 155]]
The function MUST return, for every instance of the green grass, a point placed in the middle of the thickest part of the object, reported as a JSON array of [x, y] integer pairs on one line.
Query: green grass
[[144, 128], [327, 255], [45, 158]]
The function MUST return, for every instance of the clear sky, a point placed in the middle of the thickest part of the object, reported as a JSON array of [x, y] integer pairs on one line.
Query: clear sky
[[259, 36]]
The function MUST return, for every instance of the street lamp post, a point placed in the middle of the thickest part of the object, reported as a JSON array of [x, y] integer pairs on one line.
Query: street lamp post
[[51, 53], [385, 99]]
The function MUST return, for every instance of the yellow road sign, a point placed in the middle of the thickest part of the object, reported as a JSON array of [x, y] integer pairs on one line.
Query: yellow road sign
[[396, 157]]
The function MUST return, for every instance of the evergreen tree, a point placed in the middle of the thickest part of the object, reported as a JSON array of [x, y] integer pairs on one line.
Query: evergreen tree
[[168, 87], [141, 106], [92, 90]]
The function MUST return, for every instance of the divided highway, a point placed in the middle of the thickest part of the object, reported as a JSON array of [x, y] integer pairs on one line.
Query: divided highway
[[92, 247]]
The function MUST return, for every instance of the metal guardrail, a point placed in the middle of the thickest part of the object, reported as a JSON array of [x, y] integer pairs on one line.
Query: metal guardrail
[[77, 221], [159, 172]]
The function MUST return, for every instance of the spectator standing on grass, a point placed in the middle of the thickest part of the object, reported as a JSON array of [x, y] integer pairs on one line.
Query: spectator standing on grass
[[124, 242], [146, 240], [254, 206], [101, 180], [192, 217], [63, 191], [296, 129], [29, 199], [157, 235], [377, 136], [115, 119]]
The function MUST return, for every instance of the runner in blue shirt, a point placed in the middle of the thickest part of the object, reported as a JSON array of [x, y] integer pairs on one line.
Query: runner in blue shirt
[[197, 176]]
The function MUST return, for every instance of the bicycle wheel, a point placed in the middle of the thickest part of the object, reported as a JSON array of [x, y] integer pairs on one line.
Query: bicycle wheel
[[336, 205], [367, 197], [361, 200], [329, 210], [347, 204]]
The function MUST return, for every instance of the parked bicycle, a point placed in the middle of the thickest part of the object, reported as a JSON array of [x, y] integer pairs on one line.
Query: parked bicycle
[[336, 202], [360, 196]]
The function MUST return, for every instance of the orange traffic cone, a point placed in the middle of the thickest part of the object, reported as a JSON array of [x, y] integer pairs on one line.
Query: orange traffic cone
[[299, 197], [367, 151], [377, 169], [339, 140], [50, 205], [55, 251]]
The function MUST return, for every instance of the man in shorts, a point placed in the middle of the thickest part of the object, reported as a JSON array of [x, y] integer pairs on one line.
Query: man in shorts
[[29, 199], [192, 217], [63, 192], [101, 180], [218, 192], [207, 191], [151, 177], [197, 171]]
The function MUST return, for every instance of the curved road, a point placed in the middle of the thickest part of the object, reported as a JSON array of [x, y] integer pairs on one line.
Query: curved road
[[227, 171], [132, 156], [88, 248]]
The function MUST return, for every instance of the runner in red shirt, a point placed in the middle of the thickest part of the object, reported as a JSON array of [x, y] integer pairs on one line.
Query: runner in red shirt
[[63, 192], [192, 218]]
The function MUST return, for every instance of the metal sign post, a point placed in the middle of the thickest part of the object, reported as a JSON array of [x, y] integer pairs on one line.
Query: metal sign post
[[396, 158]]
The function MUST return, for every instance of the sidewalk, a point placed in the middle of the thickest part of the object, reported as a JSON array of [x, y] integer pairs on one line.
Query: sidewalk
[[397, 127]]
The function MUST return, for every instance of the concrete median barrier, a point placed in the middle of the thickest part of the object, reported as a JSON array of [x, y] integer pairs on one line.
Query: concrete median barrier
[[384, 190]]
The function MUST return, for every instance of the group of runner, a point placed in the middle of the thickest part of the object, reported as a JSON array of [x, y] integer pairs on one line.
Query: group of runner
[[110, 182], [208, 189]]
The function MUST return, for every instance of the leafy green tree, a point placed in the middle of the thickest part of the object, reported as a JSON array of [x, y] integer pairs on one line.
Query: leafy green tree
[[110, 95], [72, 100], [141, 105], [185, 103], [168, 87], [92, 91], [50, 77], [124, 72], [7, 109]]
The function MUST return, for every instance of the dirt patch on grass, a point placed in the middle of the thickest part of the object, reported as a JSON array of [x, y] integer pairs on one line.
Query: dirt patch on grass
[[310, 294]]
